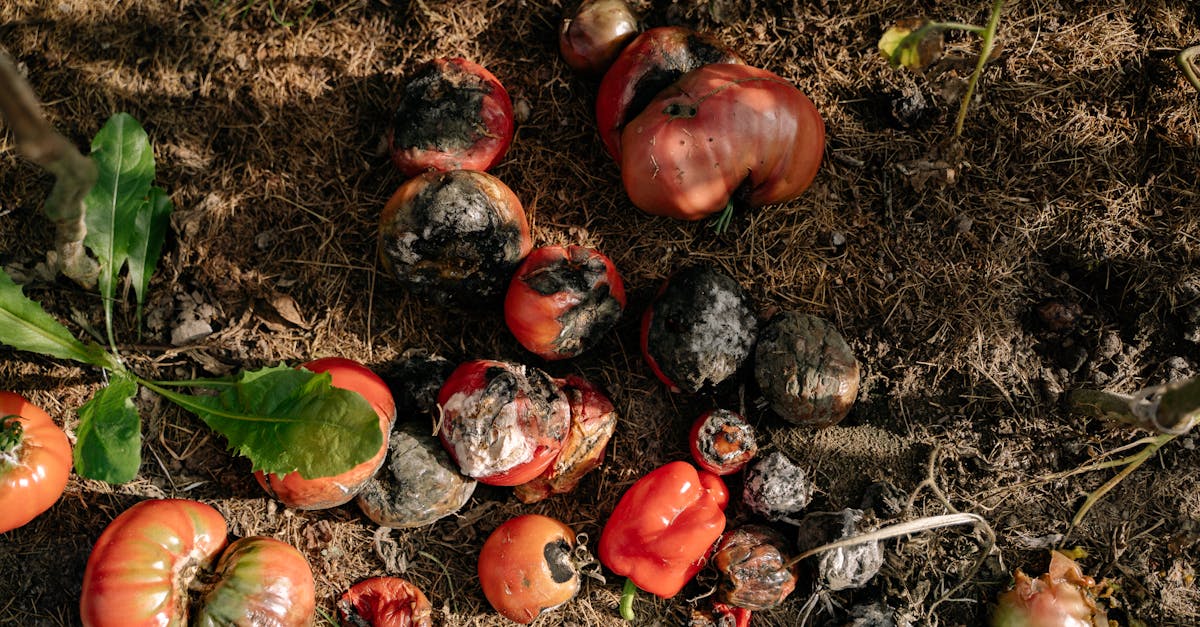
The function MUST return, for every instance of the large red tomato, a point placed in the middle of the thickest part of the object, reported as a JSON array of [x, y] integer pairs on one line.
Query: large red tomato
[[721, 129], [154, 555], [649, 64], [325, 492], [35, 460], [525, 567]]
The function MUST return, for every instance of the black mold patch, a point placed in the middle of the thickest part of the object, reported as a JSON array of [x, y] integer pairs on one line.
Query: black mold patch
[[697, 50], [440, 109], [585, 277], [558, 558]]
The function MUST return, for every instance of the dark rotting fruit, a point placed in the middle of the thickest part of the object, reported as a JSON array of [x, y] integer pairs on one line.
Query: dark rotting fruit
[[806, 370], [418, 484], [722, 442], [844, 567], [775, 487], [752, 561]]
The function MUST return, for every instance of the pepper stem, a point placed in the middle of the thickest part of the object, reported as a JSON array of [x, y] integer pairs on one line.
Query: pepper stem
[[628, 594]]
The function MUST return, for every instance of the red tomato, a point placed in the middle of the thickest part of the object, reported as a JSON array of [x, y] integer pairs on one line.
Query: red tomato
[[325, 492], [590, 39], [154, 554], [721, 129], [649, 64], [385, 602], [562, 299], [452, 115], [35, 460], [722, 442], [503, 423], [525, 567]]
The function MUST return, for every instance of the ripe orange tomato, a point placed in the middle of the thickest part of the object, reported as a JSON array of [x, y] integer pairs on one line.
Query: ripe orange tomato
[[325, 492], [35, 460], [525, 567]]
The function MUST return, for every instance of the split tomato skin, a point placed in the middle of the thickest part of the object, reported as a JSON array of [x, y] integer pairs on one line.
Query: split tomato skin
[[325, 492], [650, 63], [525, 567], [261, 581], [139, 570], [562, 299], [722, 133], [35, 461], [453, 114], [385, 602]]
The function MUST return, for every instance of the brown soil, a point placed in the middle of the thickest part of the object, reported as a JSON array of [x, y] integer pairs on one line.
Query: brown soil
[[1075, 183]]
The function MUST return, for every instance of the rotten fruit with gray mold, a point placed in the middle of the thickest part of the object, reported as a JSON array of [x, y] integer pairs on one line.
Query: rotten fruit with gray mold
[[775, 487], [806, 370], [844, 567], [722, 442], [699, 329]]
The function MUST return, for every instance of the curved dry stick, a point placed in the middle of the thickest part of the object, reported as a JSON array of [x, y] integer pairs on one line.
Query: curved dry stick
[[1172, 408], [74, 174], [1186, 61]]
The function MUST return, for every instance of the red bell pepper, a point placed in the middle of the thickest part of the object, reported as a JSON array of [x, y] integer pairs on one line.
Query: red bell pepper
[[662, 530]]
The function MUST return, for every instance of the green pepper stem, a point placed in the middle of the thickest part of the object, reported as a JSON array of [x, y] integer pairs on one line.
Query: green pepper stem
[[628, 594]]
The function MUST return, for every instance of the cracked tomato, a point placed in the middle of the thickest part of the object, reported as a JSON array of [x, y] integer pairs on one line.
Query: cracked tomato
[[722, 134], [35, 460], [154, 565]]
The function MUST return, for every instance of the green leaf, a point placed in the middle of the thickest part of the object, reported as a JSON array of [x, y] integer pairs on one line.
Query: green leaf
[[108, 443], [146, 240], [24, 325], [125, 169], [288, 420]]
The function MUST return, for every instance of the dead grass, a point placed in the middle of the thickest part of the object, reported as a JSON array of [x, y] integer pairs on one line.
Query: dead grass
[[1076, 179]]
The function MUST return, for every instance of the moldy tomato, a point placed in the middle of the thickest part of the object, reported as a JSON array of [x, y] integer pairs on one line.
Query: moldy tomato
[[806, 370], [454, 236], [722, 442], [590, 39], [721, 130], [385, 602], [525, 567], [649, 64], [453, 114], [325, 492], [562, 299], [503, 423], [35, 460], [153, 555]]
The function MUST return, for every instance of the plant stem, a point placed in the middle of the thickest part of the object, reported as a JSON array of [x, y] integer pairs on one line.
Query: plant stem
[[989, 40], [1185, 61], [724, 218], [1132, 463], [11, 435], [1173, 408], [628, 594]]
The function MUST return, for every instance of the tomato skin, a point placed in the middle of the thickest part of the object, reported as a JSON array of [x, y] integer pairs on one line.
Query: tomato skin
[[592, 38], [35, 461], [470, 111], [385, 602], [525, 567], [135, 575], [325, 492], [562, 299], [262, 581], [647, 65], [717, 128]]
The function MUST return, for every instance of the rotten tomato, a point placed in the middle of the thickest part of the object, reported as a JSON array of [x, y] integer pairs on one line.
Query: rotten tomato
[[806, 370], [722, 442], [35, 461], [562, 299], [753, 563], [453, 114], [325, 492], [647, 65], [385, 602], [525, 567], [455, 237], [594, 34], [503, 423], [722, 135]]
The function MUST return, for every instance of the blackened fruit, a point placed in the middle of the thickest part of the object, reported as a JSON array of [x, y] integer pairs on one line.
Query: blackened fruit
[[845, 567], [453, 115], [417, 380], [806, 370], [418, 484], [752, 561], [699, 330], [455, 237], [775, 487], [722, 442], [562, 299]]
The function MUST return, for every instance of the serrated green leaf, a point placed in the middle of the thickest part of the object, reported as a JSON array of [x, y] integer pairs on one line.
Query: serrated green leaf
[[125, 170], [24, 325], [288, 420], [145, 245], [108, 444]]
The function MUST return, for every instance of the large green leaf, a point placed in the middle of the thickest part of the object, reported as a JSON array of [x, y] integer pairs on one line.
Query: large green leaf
[[24, 325], [288, 420], [145, 246], [125, 170], [108, 443]]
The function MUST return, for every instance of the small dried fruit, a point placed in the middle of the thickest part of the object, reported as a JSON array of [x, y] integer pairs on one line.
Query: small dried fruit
[[842, 568], [806, 370], [592, 37], [385, 602], [775, 487], [753, 565], [722, 442]]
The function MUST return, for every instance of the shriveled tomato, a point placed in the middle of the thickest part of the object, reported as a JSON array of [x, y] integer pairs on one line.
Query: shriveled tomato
[[721, 130], [385, 602], [503, 423], [35, 460], [649, 64], [325, 492], [722, 442], [525, 567], [562, 299], [455, 237], [453, 114], [594, 34]]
